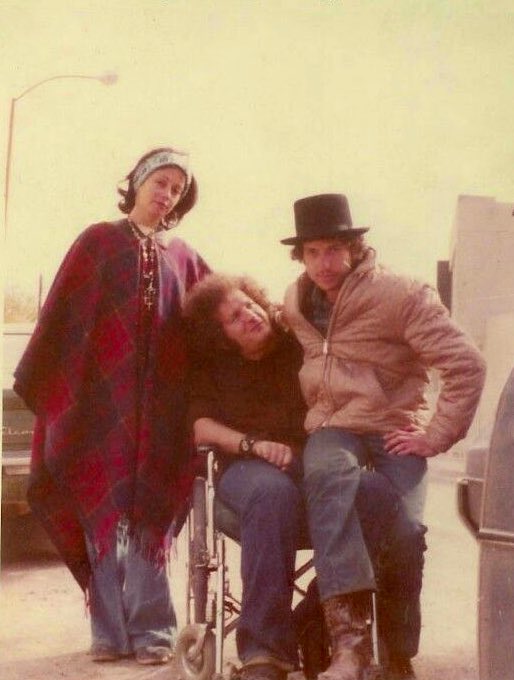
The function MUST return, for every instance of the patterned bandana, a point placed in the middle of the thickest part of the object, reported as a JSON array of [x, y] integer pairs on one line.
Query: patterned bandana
[[160, 160]]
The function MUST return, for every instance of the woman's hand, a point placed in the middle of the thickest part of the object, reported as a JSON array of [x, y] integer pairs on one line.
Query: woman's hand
[[410, 440], [277, 454]]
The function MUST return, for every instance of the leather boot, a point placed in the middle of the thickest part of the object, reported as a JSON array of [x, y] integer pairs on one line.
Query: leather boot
[[349, 635]]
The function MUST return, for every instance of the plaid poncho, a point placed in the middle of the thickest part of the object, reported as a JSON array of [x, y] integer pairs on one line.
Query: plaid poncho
[[107, 442]]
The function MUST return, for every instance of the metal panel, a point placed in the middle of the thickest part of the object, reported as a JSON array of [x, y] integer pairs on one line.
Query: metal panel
[[498, 505], [496, 536], [496, 611]]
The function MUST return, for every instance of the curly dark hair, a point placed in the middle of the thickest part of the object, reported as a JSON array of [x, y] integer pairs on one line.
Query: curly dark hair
[[185, 204], [205, 332], [358, 249]]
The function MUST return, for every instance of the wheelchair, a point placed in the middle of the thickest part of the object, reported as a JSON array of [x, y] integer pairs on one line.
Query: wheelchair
[[212, 610]]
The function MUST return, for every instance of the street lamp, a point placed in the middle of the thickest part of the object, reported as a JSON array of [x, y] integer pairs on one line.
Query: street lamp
[[106, 79]]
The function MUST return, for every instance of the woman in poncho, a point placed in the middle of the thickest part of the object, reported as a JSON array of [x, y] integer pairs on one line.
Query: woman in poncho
[[104, 374]]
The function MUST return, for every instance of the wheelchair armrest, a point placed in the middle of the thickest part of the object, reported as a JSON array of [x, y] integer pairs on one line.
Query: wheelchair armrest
[[203, 469], [208, 455], [205, 449]]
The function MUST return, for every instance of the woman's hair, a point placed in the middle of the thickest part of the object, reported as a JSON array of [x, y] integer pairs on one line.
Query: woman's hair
[[358, 249], [185, 204], [205, 331]]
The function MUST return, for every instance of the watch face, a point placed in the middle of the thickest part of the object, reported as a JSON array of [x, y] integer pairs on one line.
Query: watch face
[[245, 445]]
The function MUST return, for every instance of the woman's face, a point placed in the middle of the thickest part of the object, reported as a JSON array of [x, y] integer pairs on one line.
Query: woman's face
[[245, 323], [160, 193]]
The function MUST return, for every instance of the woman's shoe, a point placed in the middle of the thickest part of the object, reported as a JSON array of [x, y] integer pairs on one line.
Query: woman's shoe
[[103, 653], [153, 655]]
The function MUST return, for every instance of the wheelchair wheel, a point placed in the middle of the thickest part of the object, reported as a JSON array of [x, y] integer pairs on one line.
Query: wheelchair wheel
[[199, 554], [195, 652]]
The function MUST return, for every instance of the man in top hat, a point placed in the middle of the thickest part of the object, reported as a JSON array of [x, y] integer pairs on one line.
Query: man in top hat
[[369, 336]]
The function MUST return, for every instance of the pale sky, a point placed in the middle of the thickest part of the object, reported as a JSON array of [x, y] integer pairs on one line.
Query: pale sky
[[402, 105]]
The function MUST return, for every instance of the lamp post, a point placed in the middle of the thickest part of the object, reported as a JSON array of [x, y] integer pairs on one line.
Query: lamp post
[[106, 79]]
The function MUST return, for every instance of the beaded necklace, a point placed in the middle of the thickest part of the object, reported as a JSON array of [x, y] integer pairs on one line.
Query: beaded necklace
[[148, 265], [148, 290]]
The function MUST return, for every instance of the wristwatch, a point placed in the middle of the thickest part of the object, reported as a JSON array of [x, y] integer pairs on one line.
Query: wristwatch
[[246, 446]]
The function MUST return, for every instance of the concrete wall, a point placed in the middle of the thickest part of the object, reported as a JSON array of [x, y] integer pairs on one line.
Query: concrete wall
[[482, 263], [482, 267]]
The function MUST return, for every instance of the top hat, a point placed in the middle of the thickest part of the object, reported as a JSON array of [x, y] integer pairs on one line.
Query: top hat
[[322, 216]]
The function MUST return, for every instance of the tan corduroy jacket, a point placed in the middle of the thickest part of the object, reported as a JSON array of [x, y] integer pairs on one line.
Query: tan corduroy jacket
[[370, 373]]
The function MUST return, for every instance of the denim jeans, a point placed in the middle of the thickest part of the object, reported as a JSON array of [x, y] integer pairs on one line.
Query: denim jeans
[[396, 545], [332, 468], [269, 505], [400, 573], [130, 600], [407, 474]]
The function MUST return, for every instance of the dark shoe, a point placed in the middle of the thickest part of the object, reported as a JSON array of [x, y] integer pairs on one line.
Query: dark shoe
[[153, 655], [350, 639], [262, 671], [102, 654], [400, 668], [311, 633]]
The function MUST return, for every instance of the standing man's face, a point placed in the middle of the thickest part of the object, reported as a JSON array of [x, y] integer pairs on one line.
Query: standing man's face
[[327, 263]]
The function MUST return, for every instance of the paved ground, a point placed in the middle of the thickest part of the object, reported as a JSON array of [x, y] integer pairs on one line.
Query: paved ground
[[44, 631]]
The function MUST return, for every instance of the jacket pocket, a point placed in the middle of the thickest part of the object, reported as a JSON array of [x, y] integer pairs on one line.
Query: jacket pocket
[[355, 382]]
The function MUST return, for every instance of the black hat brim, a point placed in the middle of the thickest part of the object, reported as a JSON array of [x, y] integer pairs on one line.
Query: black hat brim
[[343, 234]]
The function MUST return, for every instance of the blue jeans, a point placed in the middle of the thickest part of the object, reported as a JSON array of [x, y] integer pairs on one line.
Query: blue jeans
[[130, 600], [332, 468], [407, 474], [269, 505], [396, 545]]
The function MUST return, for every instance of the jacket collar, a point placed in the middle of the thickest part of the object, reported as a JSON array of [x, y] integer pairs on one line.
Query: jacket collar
[[304, 284]]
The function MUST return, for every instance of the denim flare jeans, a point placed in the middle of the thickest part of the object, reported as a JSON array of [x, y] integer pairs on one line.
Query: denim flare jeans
[[269, 506], [130, 599]]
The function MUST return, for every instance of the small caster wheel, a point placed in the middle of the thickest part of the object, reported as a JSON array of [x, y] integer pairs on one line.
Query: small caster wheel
[[195, 652]]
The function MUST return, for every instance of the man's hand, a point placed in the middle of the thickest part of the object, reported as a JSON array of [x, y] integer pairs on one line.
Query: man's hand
[[277, 454], [410, 440]]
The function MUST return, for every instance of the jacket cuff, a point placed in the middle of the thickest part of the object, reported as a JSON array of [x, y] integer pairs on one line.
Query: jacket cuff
[[438, 441]]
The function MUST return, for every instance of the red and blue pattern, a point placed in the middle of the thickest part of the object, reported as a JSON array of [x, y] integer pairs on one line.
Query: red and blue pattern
[[107, 443]]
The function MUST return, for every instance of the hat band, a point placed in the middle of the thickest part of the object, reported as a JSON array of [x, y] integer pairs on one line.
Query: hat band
[[160, 160], [316, 231]]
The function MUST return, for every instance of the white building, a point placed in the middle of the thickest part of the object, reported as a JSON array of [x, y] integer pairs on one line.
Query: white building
[[478, 285]]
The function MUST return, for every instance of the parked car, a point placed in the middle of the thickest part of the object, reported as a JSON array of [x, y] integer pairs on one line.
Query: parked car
[[486, 504], [17, 426]]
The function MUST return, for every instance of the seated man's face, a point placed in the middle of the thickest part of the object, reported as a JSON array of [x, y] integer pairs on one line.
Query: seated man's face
[[327, 263], [245, 323]]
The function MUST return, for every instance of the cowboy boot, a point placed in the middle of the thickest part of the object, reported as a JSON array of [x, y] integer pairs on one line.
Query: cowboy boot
[[349, 635]]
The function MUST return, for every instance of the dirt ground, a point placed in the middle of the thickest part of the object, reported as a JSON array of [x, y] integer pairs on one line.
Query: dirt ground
[[44, 624], [44, 629]]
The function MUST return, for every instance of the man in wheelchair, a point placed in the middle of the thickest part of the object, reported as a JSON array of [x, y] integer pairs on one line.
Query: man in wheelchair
[[245, 399]]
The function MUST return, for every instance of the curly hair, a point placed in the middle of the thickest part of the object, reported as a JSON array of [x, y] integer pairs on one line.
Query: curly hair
[[206, 337], [358, 249], [187, 201]]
